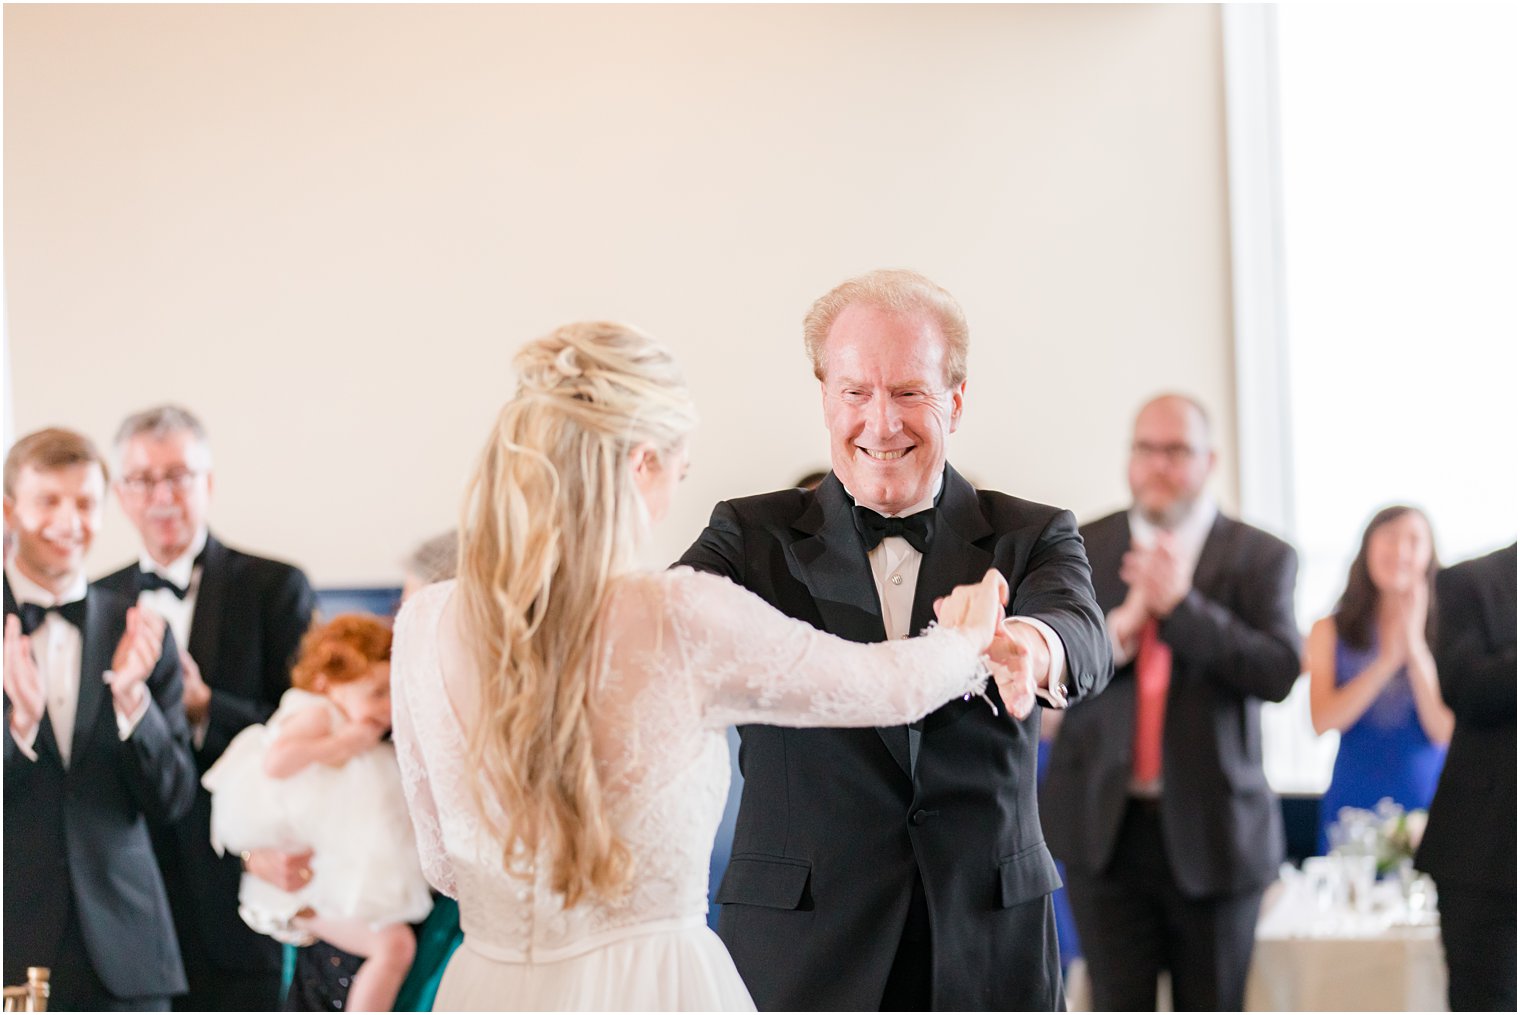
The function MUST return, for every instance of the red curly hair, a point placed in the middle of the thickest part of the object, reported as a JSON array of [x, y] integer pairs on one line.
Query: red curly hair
[[344, 649]]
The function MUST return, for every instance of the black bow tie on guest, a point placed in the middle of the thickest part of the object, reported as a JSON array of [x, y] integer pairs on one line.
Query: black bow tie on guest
[[33, 614], [917, 529], [148, 581]]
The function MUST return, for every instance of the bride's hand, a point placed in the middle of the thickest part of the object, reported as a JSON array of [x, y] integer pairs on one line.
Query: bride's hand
[[976, 609]]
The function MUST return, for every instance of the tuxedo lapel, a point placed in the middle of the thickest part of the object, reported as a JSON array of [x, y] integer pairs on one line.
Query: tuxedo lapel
[[210, 607], [831, 561], [953, 558], [1218, 549], [102, 629]]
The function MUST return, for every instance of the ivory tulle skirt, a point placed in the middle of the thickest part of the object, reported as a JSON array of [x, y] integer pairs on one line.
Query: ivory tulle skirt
[[682, 969]]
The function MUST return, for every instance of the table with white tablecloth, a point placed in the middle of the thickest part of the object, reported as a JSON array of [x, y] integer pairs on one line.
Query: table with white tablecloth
[[1307, 959]]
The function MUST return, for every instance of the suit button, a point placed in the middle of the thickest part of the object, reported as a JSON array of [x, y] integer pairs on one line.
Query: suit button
[[919, 816]]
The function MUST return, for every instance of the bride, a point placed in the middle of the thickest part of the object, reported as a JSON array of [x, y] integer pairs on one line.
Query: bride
[[560, 714]]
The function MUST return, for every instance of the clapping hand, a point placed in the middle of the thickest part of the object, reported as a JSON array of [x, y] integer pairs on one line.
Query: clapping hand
[[136, 655], [1157, 574], [22, 684]]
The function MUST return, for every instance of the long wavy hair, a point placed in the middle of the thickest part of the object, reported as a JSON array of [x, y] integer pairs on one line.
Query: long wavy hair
[[1356, 613], [550, 518]]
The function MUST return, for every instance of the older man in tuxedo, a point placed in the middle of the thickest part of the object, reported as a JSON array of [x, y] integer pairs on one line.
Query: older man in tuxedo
[[1155, 797], [240, 619], [96, 746], [901, 868]]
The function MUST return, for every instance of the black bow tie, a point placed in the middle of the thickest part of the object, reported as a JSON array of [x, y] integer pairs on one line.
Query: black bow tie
[[917, 529], [148, 581], [33, 614]]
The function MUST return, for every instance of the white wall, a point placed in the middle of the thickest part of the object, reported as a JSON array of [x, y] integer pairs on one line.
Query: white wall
[[326, 228]]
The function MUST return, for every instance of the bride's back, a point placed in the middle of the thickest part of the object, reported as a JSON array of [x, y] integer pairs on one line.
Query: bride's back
[[662, 768]]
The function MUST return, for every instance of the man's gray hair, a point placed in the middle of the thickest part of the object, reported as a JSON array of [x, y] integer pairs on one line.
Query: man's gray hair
[[436, 560], [161, 421]]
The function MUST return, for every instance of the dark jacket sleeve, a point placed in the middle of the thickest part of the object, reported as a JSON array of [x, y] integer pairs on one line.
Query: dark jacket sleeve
[[1057, 588], [155, 760], [1476, 671], [285, 613], [720, 547], [1257, 651]]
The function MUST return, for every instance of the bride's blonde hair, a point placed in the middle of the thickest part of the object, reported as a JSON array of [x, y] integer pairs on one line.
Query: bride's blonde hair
[[551, 516]]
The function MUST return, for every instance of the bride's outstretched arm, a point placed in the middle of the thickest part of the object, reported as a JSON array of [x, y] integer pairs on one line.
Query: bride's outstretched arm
[[747, 662]]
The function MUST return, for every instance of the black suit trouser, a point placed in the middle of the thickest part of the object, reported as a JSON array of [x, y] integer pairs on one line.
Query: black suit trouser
[[1478, 933], [1135, 922]]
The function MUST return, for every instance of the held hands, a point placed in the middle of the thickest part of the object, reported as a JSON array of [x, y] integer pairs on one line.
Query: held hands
[[1401, 624], [976, 609], [22, 684], [136, 655], [1020, 662]]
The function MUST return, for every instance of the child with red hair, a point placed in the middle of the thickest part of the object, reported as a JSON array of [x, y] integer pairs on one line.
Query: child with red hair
[[319, 777]]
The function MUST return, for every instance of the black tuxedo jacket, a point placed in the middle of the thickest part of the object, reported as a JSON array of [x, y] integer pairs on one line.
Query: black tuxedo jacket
[[1470, 840], [836, 825], [1234, 644], [79, 835], [250, 614]]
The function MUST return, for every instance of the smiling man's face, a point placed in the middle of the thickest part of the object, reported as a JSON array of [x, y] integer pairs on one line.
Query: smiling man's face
[[887, 405]]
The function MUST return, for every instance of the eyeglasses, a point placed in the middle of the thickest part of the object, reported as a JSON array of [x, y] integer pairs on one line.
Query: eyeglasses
[[143, 484], [1175, 454]]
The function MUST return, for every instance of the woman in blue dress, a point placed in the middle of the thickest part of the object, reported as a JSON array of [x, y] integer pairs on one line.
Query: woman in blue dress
[[1372, 676]]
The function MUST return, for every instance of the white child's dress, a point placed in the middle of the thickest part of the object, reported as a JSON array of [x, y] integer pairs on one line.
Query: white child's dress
[[353, 818]]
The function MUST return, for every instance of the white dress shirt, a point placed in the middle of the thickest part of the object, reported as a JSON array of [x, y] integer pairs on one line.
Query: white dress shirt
[[894, 566], [177, 613], [58, 651]]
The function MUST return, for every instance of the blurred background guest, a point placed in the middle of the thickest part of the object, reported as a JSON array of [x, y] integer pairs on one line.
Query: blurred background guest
[[95, 741], [237, 619], [1469, 845], [1372, 676], [322, 973], [1156, 799], [434, 560], [318, 774]]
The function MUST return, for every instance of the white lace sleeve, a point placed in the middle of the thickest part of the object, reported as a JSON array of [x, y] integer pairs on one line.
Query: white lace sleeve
[[750, 663], [417, 707]]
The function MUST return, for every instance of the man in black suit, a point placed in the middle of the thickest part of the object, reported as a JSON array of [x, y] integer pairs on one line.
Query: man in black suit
[[1155, 798], [901, 868], [242, 618], [1469, 844], [96, 746]]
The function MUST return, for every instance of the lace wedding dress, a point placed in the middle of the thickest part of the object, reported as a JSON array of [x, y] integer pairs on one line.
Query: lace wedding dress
[[682, 656]]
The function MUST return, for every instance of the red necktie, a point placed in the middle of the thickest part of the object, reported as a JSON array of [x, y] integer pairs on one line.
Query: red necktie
[[1153, 674]]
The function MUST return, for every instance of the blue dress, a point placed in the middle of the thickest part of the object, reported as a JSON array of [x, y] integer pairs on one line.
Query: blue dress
[[1385, 753]]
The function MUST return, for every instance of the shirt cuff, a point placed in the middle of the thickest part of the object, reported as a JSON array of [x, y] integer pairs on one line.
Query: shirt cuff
[[1053, 692], [126, 725], [28, 744]]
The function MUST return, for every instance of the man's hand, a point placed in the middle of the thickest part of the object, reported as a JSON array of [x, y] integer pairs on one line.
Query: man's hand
[[197, 693], [1159, 575], [22, 684], [975, 609], [287, 871], [1020, 662], [136, 655]]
